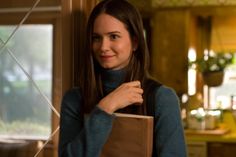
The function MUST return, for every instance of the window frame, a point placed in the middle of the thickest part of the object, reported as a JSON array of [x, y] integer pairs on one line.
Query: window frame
[[46, 17]]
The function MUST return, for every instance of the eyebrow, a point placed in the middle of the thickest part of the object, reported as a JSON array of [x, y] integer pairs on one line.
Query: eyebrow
[[113, 32]]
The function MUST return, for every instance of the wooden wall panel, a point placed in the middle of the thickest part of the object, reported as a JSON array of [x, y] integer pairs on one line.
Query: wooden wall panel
[[223, 36], [170, 47]]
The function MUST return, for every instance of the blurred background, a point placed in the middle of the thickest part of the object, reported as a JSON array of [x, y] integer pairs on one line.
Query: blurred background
[[192, 45]]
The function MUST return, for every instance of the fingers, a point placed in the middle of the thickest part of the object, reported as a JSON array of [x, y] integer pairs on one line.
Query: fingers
[[127, 94], [138, 99], [135, 88], [135, 84]]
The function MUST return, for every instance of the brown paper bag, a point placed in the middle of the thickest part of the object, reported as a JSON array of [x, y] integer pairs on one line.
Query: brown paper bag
[[131, 136]]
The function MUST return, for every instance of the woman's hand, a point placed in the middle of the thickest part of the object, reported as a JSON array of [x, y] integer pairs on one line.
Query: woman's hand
[[125, 95]]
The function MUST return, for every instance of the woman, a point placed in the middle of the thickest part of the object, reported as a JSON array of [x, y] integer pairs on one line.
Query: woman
[[114, 78]]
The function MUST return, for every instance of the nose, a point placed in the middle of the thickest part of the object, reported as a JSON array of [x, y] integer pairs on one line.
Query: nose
[[104, 45]]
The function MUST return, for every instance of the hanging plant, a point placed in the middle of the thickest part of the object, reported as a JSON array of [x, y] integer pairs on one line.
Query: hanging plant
[[212, 67]]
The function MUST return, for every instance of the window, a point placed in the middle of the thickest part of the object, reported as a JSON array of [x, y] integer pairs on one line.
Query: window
[[53, 79], [213, 33], [222, 96], [24, 113], [58, 18], [223, 39]]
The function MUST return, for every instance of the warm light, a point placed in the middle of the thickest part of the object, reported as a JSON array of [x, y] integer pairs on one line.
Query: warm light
[[192, 54], [205, 96], [192, 73]]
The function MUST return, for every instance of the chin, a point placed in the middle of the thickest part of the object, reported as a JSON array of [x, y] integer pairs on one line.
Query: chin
[[107, 66]]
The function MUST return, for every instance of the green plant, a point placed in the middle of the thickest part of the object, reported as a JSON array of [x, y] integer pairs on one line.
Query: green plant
[[213, 62]]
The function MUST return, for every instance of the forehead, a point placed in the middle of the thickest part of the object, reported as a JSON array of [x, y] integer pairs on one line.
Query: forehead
[[107, 23]]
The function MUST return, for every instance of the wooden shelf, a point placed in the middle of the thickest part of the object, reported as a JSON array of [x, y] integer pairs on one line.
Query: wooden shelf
[[217, 131]]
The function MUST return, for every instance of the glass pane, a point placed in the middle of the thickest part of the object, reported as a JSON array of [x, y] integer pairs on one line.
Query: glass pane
[[221, 97], [24, 113]]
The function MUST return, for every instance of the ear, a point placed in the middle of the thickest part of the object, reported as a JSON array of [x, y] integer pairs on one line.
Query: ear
[[134, 43]]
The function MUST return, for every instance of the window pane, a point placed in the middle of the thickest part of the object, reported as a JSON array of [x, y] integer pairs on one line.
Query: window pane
[[24, 113], [220, 97]]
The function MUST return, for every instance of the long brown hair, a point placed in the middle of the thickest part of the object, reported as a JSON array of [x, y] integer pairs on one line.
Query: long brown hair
[[90, 70]]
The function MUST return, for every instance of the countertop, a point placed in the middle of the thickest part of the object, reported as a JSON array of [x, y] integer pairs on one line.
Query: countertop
[[226, 131]]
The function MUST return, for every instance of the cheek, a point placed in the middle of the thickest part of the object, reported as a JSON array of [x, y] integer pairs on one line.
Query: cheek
[[125, 48], [95, 49]]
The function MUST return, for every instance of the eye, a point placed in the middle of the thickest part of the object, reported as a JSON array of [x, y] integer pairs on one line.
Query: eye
[[96, 38], [114, 36]]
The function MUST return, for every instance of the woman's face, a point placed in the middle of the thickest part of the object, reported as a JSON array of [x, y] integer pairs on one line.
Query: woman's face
[[112, 44]]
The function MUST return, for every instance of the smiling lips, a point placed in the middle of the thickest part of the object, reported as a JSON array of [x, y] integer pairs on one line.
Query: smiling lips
[[106, 57]]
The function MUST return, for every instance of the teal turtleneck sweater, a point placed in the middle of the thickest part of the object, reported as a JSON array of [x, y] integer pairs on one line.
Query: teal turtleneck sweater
[[111, 79], [84, 136]]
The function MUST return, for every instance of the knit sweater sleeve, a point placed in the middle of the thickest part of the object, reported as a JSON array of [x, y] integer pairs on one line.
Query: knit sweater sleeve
[[169, 134], [82, 136]]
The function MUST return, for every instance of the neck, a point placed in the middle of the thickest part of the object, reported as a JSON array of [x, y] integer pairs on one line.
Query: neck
[[111, 79]]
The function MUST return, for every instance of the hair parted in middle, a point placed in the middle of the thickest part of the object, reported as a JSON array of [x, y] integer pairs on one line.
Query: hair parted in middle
[[90, 71]]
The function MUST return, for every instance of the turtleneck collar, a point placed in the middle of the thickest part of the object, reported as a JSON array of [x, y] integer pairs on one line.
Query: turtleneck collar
[[111, 79]]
